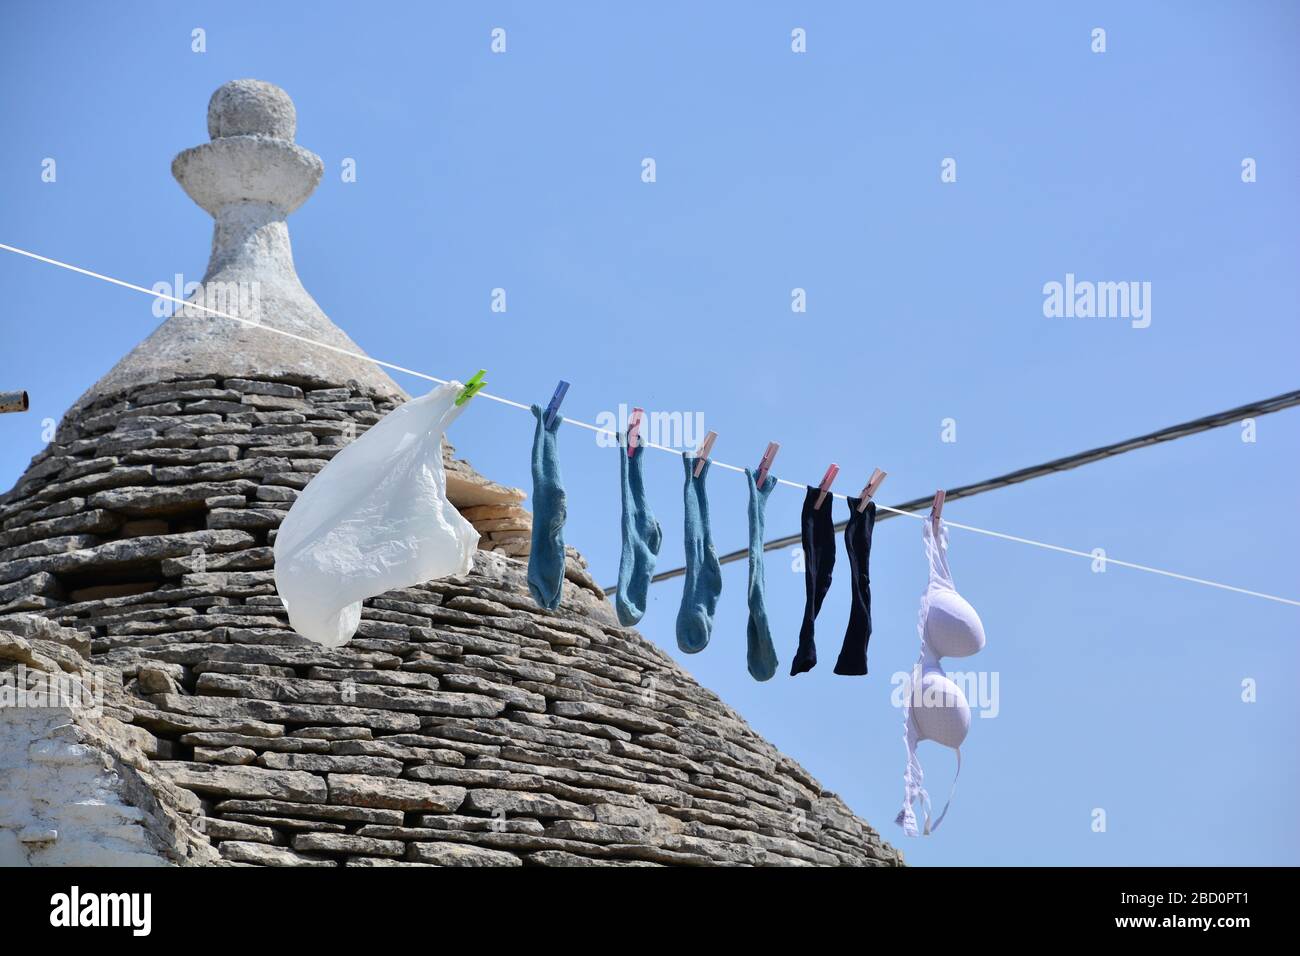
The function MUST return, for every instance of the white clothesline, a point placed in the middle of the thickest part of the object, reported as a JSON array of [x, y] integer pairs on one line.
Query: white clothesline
[[605, 431]]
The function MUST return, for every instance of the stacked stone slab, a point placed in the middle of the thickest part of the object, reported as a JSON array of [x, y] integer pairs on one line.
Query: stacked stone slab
[[461, 726]]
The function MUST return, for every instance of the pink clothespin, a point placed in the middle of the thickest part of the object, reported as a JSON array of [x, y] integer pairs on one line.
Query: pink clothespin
[[936, 509], [702, 453], [633, 428], [765, 465], [825, 486], [869, 491]]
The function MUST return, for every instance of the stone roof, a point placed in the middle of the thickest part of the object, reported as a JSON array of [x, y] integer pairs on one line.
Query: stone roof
[[463, 725]]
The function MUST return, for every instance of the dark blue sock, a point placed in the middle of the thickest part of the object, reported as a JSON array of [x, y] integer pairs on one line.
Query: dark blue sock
[[818, 536], [857, 541]]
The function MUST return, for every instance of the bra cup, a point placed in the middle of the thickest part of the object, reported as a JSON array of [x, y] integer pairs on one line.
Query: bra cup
[[941, 714], [952, 628]]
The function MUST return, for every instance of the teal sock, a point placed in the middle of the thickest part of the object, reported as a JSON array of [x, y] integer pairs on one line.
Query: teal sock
[[703, 573], [546, 559], [641, 538], [761, 655]]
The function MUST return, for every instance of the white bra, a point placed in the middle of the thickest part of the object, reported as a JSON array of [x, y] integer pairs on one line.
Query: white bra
[[935, 708]]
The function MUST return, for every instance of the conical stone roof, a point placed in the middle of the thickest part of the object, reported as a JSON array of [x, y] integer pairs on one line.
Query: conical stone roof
[[462, 726]]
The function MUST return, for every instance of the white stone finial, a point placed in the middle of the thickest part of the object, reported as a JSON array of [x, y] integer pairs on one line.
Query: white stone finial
[[252, 157], [251, 108], [249, 178]]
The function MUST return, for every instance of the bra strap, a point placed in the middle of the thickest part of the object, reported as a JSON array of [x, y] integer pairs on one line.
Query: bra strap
[[913, 776], [930, 828], [936, 551]]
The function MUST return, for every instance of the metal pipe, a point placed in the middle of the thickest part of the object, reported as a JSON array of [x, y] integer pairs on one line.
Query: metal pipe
[[13, 401]]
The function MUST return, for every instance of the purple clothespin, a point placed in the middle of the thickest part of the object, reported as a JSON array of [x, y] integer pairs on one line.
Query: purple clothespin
[[556, 399]]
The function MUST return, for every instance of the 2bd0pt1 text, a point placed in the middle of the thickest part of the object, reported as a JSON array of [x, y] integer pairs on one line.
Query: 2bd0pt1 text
[[1174, 897]]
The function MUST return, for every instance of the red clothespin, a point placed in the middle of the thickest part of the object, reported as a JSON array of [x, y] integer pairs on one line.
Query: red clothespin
[[825, 486], [702, 453], [869, 491], [765, 465], [936, 509], [633, 428]]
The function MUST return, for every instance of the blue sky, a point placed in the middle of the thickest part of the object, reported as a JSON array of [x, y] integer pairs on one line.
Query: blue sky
[[777, 170]]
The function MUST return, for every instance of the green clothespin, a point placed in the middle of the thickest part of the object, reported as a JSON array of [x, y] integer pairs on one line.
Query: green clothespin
[[472, 387]]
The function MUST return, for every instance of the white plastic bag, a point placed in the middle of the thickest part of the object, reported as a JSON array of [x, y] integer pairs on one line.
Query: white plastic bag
[[375, 518]]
